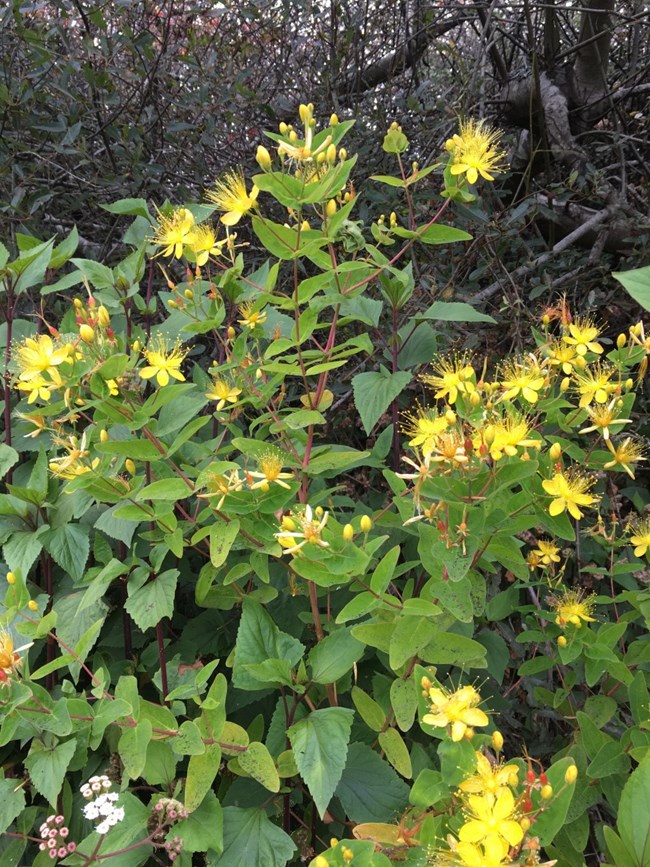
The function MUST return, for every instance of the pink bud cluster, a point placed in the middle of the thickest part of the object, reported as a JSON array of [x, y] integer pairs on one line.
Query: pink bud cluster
[[174, 848], [53, 838], [166, 812]]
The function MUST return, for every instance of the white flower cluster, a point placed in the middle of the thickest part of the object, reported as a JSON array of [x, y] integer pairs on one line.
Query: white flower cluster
[[103, 806]]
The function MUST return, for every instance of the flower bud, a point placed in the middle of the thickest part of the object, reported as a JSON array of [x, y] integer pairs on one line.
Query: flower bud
[[546, 792], [304, 113], [103, 316], [263, 158], [171, 303], [524, 823], [319, 861], [366, 523], [565, 384], [230, 333], [571, 774], [330, 208], [103, 436], [450, 416], [136, 346], [546, 319], [293, 136], [629, 384], [188, 294], [555, 452], [78, 303], [333, 842], [426, 683], [561, 641], [11, 578], [475, 398], [129, 466], [334, 120], [497, 741], [288, 524], [343, 154], [393, 219], [331, 153], [86, 333], [32, 605], [348, 532], [580, 362], [304, 226], [319, 511], [469, 734], [621, 340]]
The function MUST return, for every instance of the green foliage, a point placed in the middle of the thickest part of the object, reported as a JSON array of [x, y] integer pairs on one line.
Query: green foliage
[[252, 582]]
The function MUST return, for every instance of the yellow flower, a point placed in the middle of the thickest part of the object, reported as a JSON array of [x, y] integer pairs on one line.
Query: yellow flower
[[572, 606], [36, 387], [172, 232], [603, 417], [492, 822], [626, 453], [223, 392], [251, 318], [35, 356], [450, 378], [524, 377], [423, 426], [202, 241], [547, 553], [39, 422], [506, 435], [640, 538], [304, 151], [163, 362], [562, 356], [489, 779], [219, 485], [454, 710], [583, 334], [292, 540], [474, 151], [449, 447], [490, 854], [10, 659], [230, 196], [594, 384], [270, 464], [570, 490], [74, 463]]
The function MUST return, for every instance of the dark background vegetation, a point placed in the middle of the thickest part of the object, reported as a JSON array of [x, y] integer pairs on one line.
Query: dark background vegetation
[[100, 101]]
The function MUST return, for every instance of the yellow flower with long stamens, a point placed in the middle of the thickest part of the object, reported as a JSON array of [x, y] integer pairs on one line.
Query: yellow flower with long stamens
[[202, 241], [304, 152], [230, 195], [562, 356], [583, 334], [307, 531], [490, 854], [626, 453], [423, 426], [74, 463], [505, 436], [489, 778], [594, 384], [223, 392], [220, 485], [270, 472], [450, 378], [449, 448], [455, 711], [602, 417], [172, 232], [35, 356], [640, 535], [250, 317], [572, 606], [492, 821], [10, 659], [35, 388], [570, 490], [474, 151], [163, 361], [547, 553], [523, 377]]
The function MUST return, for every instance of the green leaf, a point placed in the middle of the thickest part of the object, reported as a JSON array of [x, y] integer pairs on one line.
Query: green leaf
[[148, 604], [164, 489], [258, 762], [368, 709], [610, 759], [203, 829], [411, 634], [135, 207], [374, 392], [448, 648], [69, 547], [21, 550], [370, 790], [320, 747], [384, 571], [8, 457], [455, 311], [137, 450], [201, 771], [618, 851], [188, 741], [79, 628], [259, 640], [334, 656], [47, 764], [392, 743], [99, 275], [339, 459], [404, 701], [101, 582], [132, 747], [250, 838], [551, 819], [637, 284], [633, 814], [12, 802], [222, 537], [428, 789], [439, 234]]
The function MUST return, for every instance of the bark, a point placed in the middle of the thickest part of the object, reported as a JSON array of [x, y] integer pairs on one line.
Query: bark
[[592, 57]]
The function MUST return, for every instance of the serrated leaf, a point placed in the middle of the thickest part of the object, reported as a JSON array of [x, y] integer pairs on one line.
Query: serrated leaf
[[320, 746], [12, 802], [370, 790], [149, 604], [374, 392], [260, 640], [202, 831], [47, 764], [69, 547], [250, 838], [8, 457]]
